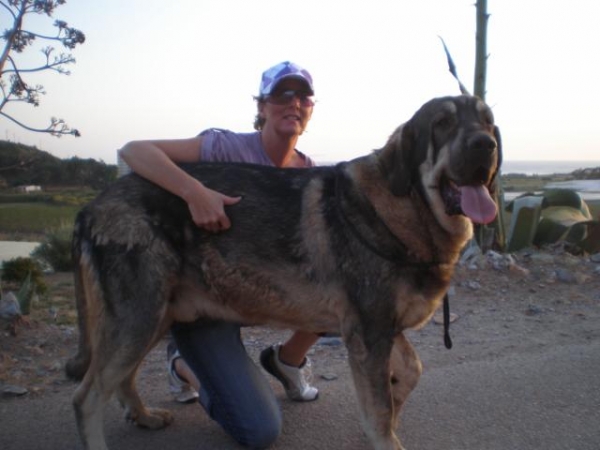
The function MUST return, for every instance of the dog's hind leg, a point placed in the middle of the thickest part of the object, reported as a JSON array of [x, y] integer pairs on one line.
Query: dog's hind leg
[[85, 285], [110, 371], [89, 401], [129, 347], [406, 371], [122, 335], [135, 410]]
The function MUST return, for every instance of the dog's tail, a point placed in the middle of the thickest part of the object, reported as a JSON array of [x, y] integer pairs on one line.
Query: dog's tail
[[77, 366]]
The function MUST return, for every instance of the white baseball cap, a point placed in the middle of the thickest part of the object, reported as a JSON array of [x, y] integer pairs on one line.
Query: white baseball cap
[[272, 76]]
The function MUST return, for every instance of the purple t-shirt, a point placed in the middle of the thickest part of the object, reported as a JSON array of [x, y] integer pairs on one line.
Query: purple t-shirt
[[226, 146]]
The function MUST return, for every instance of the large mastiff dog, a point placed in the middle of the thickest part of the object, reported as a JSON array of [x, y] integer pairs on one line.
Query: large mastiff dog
[[365, 248]]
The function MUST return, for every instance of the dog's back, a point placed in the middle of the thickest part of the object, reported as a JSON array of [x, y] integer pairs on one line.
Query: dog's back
[[135, 222]]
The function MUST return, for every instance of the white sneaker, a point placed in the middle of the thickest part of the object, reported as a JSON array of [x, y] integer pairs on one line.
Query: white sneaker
[[295, 380], [181, 390]]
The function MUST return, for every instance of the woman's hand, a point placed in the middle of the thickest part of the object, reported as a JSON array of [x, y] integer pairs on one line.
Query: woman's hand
[[156, 161], [208, 208]]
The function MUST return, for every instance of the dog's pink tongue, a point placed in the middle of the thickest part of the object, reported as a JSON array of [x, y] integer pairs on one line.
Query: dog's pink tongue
[[477, 204]]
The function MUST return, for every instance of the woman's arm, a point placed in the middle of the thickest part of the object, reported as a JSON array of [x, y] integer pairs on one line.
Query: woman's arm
[[156, 161]]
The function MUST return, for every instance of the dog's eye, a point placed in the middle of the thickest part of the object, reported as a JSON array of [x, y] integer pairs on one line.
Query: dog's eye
[[445, 121], [487, 117]]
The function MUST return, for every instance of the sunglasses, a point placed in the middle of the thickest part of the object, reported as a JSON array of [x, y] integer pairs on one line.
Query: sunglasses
[[287, 97]]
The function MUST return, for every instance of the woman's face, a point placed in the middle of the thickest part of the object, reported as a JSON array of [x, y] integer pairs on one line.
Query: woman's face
[[284, 113]]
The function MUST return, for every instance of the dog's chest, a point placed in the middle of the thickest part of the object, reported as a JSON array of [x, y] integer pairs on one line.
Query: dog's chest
[[418, 297]]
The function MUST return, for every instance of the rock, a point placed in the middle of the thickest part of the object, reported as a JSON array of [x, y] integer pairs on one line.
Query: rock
[[595, 258], [9, 306], [56, 366], [53, 313], [533, 310], [541, 258], [582, 278], [517, 269], [473, 285], [35, 349], [499, 261], [566, 276], [13, 390], [470, 256], [570, 261], [329, 376]]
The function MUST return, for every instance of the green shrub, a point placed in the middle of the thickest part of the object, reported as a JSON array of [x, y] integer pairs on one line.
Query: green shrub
[[55, 249]]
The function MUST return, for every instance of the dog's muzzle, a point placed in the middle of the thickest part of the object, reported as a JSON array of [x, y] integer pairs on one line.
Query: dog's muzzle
[[469, 194]]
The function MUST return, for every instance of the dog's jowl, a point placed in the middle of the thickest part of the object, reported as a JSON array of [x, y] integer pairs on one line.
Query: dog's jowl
[[365, 248]]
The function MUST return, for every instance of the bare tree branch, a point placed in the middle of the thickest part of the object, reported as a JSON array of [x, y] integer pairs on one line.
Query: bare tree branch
[[55, 65], [8, 9], [57, 127], [18, 39]]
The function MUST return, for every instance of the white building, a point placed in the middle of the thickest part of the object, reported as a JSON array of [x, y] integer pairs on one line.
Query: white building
[[122, 167], [29, 188]]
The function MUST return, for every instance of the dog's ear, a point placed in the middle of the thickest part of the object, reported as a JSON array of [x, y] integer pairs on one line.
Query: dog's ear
[[495, 177], [397, 160], [499, 145]]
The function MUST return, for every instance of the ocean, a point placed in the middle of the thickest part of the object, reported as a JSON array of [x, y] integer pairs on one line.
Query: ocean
[[588, 189], [546, 167], [530, 167]]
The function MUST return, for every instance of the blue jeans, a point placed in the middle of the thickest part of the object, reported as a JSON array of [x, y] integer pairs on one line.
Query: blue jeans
[[233, 392]]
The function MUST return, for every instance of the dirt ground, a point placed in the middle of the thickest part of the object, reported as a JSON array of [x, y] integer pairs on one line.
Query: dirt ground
[[521, 374], [502, 304]]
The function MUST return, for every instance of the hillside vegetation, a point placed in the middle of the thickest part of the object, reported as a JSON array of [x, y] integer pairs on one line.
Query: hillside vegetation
[[25, 165]]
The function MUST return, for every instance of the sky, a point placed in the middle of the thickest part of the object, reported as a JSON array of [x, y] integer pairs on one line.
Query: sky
[[169, 69]]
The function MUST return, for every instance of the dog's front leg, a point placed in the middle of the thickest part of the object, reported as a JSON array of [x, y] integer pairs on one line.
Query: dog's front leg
[[406, 371], [370, 365]]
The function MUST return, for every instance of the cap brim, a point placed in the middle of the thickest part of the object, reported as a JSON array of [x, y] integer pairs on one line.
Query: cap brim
[[294, 76]]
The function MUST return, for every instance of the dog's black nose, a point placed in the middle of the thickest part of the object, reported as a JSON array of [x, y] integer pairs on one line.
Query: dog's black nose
[[483, 143], [481, 158]]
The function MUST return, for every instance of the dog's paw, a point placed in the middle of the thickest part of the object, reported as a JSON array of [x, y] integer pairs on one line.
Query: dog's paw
[[152, 418]]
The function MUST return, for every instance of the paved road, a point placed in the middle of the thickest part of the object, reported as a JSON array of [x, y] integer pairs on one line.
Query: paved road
[[547, 399]]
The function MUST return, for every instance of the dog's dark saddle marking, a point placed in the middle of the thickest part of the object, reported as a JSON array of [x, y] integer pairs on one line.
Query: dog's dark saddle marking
[[396, 253]]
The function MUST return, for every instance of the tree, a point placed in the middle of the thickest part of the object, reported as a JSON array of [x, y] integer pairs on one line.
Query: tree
[[496, 230], [481, 55], [13, 87], [494, 234]]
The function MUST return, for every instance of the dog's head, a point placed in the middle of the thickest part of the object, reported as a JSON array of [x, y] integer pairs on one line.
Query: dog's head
[[450, 151]]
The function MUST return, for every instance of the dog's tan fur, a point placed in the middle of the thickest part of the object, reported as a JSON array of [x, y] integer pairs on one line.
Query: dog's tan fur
[[366, 248]]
